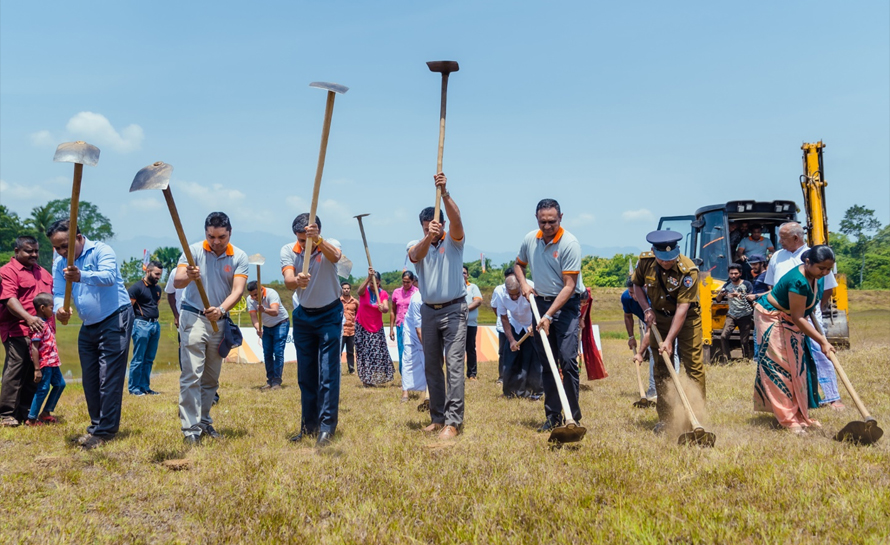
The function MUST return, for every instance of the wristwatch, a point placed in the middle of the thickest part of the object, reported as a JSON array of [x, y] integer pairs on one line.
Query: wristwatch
[[548, 317]]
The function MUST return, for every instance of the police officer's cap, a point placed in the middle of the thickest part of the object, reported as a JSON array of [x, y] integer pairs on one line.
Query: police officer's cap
[[756, 258], [665, 244]]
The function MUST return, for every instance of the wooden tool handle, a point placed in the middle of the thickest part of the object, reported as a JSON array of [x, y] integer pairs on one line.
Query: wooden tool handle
[[523, 338], [373, 278], [843, 374], [325, 132], [259, 298], [441, 153], [177, 224], [640, 380], [72, 228], [692, 419], [566, 409]]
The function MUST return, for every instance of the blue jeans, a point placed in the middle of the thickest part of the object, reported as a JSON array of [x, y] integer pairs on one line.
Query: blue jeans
[[145, 346], [317, 339], [52, 376], [274, 339]]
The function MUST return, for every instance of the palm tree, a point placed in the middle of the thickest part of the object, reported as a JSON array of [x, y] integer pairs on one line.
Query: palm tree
[[41, 218]]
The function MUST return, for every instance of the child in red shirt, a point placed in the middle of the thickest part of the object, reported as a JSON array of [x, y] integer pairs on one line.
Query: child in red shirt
[[45, 354]]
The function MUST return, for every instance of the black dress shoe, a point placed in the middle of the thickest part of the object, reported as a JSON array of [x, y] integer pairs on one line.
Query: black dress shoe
[[192, 440], [548, 425], [325, 438], [209, 430], [303, 433]]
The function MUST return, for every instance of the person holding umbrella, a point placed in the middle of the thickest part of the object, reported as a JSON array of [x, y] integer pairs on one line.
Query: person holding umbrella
[[373, 363]]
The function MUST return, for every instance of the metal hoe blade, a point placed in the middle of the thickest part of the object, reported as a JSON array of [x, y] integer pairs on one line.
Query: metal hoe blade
[[860, 433], [256, 259], [570, 433], [154, 176], [77, 152], [643, 403], [361, 215], [698, 437], [335, 87], [443, 66]]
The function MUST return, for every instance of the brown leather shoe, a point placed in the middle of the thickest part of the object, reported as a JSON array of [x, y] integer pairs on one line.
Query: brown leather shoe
[[448, 432], [432, 428]]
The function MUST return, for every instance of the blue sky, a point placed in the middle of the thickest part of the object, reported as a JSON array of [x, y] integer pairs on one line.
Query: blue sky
[[621, 111]]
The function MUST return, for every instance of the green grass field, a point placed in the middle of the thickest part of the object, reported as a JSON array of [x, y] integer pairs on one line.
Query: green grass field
[[383, 481]]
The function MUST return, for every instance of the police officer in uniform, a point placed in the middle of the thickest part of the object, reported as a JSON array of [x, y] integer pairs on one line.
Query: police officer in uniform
[[672, 284]]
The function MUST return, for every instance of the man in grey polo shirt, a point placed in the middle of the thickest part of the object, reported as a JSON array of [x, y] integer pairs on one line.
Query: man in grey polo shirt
[[438, 259], [223, 270], [554, 256], [317, 321]]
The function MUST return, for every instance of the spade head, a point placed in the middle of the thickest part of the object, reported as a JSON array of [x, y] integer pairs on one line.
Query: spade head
[[443, 66], [154, 176], [335, 87], [698, 437], [570, 433], [77, 152], [860, 433], [256, 259], [643, 403]]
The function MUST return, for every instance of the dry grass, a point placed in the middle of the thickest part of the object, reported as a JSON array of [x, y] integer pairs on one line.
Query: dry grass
[[384, 482]]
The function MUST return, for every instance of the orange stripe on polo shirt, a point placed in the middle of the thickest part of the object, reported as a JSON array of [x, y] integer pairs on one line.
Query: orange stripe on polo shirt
[[241, 275], [521, 262], [570, 272], [286, 267]]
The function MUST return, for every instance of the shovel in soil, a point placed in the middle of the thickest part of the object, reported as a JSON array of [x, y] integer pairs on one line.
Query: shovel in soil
[[698, 435], [571, 431], [858, 432], [643, 403]]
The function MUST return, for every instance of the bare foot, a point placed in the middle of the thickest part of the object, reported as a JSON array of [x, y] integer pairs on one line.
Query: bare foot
[[837, 406]]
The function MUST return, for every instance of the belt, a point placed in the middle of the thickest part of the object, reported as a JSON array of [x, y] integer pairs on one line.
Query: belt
[[320, 310], [548, 299], [692, 307], [143, 318], [197, 311], [440, 306], [276, 325]]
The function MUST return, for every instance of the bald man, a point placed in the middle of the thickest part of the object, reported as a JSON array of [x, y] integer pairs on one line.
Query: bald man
[[522, 369]]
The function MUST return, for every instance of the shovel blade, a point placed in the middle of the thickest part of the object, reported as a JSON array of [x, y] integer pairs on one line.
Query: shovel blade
[[154, 176], [698, 437], [443, 66], [256, 259], [860, 433], [344, 266], [77, 152], [334, 87], [643, 403], [570, 433]]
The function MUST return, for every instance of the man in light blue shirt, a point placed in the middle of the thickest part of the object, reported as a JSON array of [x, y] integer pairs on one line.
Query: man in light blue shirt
[[104, 306]]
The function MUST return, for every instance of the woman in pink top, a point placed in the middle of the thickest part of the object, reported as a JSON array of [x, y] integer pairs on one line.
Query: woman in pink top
[[373, 363], [401, 298]]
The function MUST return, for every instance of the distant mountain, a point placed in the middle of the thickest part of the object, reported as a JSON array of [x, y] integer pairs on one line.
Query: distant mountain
[[387, 256]]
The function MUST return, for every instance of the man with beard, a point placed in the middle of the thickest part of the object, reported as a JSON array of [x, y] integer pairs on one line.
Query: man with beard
[[22, 279], [144, 295]]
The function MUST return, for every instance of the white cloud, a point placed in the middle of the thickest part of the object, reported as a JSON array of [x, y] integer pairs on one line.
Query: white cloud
[[17, 192], [97, 130], [641, 215], [581, 220], [43, 139], [215, 196], [298, 204], [145, 205]]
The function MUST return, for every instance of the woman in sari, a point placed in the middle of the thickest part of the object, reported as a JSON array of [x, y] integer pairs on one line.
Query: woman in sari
[[372, 360], [787, 383]]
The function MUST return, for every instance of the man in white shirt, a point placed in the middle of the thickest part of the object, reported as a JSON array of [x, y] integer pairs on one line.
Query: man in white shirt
[[791, 236], [522, 370], [496, 295]]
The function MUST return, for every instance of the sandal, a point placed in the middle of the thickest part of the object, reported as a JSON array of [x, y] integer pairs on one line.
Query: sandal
[[9, 422], [49, 419]]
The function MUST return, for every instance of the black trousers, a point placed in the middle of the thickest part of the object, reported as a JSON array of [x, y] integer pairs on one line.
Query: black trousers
[[502, 344], [564, 345], [522, 371], [103, 349], [471, 351], [349, 343], [18, 387]]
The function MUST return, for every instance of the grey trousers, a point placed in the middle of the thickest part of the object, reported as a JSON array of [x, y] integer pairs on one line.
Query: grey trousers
[[201, 366], [103, 348], [445, 334]]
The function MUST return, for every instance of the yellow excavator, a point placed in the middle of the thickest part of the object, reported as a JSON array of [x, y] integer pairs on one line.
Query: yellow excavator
[[707, 242]]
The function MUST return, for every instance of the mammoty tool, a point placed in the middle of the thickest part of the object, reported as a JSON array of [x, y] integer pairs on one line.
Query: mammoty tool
[[259, 261], [80, 153], [368, 253], [333, 89], [157, 176], [698, 435], [445, 68], [861, 433], [571, 431]]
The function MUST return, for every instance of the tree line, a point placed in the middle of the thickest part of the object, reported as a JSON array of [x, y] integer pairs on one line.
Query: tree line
[[862, 247]]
